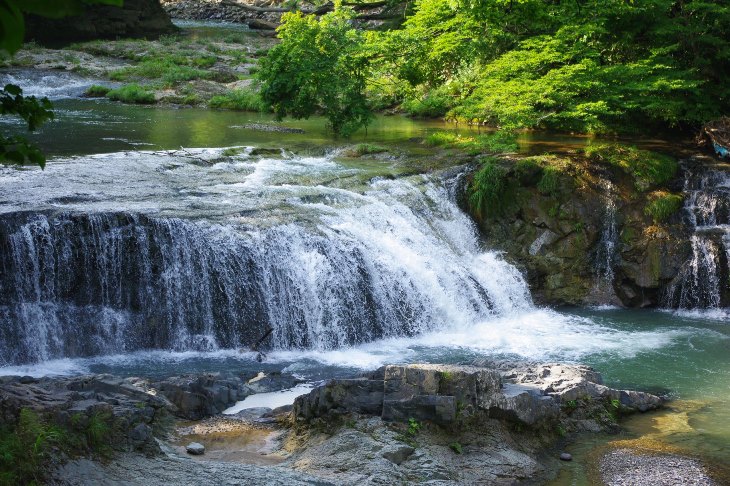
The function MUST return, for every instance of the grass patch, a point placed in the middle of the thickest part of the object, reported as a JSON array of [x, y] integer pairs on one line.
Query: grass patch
[[364, 149], [649, 169], [244, 99], [165, 70], [549, 183], [132, 93], [97, 91], [456, 447], [497, 142], [662, 205], [488, 188]]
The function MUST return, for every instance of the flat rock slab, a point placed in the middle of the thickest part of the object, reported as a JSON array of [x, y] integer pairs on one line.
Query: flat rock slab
[[625, 467]]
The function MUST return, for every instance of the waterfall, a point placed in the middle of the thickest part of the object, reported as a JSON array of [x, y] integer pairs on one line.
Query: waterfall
[[704, 280], [605, 254], [346, 266]]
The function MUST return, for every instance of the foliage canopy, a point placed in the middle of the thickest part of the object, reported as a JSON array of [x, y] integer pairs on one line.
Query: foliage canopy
[[579, 65]]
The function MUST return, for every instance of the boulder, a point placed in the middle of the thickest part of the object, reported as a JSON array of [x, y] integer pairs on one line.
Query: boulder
[[195, 449]]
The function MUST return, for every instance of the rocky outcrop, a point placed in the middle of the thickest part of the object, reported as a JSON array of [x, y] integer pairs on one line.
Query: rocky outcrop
[[136, 18], [581, 231], [125, 406], [447, 394], [450, 425]]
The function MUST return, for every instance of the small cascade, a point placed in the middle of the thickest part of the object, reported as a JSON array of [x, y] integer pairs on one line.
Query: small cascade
[[345, 267], [605, 256], [704, 281]]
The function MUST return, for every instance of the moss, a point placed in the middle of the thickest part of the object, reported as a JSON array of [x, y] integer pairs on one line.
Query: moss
[[662, 205], [132, 93], [244, 99], [97, 91], [648, 169]]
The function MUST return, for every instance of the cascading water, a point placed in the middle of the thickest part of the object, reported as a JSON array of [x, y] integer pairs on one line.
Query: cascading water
[[605, 256], [704, 281], [211, 263]]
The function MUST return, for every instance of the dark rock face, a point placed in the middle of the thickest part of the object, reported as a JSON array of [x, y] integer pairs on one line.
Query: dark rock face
[[137, 18], [589, 239], [443, 394]]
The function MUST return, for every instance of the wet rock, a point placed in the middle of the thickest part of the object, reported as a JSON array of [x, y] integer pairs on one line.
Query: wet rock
[[141, 433], [195, 449], [566, 457]]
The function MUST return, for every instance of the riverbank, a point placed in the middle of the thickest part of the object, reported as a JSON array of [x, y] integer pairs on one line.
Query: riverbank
[[198, 66]]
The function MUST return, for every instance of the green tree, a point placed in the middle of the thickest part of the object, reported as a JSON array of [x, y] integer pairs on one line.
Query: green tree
[[14, 148], [320, 67], [583, 65]]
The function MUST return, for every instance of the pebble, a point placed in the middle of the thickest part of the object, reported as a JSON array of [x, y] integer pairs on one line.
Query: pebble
[[566, 457], [195, 449]]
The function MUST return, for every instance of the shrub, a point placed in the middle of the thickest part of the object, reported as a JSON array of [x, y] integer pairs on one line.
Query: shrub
[[662, 205], [649, 169], [456, 447], [244, 99], [132, 93], [97, 91], [488, 188], [549, 183], [25, 448]]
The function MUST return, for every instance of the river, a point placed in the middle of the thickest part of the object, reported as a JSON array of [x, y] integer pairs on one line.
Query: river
[[148, 246]]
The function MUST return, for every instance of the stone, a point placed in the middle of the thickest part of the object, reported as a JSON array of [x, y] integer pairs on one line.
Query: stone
[[566, 457], [141, 433], [195, 449]]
